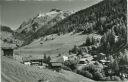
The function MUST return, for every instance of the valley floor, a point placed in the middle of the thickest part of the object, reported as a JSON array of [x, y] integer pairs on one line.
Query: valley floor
[[60, 44]]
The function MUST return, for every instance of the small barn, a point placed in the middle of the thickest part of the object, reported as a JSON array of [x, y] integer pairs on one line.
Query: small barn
[[7, 49]]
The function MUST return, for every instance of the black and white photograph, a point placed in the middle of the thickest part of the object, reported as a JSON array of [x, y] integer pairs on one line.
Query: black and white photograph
[[63, 41]]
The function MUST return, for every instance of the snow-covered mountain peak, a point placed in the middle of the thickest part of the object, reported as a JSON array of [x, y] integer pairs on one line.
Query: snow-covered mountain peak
[[47, 14]]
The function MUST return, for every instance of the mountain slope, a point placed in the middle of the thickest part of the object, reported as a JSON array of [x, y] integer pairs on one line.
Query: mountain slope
[[106, 19], [7, 36], [37, 27], [54, 44], [97, 18]]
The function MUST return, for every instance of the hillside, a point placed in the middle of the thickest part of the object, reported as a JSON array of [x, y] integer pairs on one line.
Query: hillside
[[54, 44], [105, 19], [13, 71], [99, 30], [36, 27], [98, 18]]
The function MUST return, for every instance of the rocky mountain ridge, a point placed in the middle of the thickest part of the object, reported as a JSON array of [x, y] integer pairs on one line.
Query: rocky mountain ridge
[[37, 26]]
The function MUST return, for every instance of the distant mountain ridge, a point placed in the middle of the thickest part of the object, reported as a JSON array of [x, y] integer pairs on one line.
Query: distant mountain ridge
[[37, 26], [99, 19]]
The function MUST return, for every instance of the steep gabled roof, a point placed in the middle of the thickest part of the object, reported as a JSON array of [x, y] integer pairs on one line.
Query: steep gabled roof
[[57, 60], [32, 58]]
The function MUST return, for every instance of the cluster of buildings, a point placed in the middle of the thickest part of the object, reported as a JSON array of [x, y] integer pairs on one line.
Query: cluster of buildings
[[55, 62], [7, 50]]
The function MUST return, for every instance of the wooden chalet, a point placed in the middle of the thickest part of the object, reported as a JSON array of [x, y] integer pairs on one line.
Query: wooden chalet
[[36, 61], [57, 63]]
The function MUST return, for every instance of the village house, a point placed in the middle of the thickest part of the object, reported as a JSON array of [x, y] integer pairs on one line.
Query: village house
[[87, 56], [65, 58], [72, 57], [102, 59], [26, 60], [82, 63], [56, 63], [85, 60], [35, 61]]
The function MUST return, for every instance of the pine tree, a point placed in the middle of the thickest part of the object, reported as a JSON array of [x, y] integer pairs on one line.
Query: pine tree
[[75, 49], [48, 60], [45, 58], [124, 57], [108, 49], [92, 41], [116, 66], [101, 29], [111, 36], [88, 41]]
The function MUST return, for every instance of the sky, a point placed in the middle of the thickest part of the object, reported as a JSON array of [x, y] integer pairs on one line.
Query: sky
[[14, 12]]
